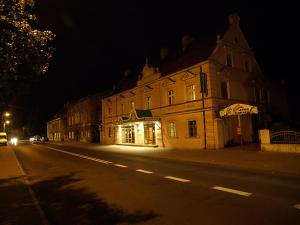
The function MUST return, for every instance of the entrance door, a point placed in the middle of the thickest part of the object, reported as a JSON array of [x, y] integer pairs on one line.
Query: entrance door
[[128, 134], [149, 134]]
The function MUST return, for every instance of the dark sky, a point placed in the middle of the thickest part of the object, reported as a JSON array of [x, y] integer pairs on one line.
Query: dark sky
[[97, 40]]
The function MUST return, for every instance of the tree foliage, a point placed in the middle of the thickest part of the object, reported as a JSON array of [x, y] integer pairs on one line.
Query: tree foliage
[[24, 51]]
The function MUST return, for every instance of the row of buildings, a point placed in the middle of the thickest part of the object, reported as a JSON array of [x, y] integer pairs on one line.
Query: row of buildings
[[176, 102]]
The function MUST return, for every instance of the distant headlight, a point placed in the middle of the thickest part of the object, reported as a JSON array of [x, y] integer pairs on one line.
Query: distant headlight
[[14, 141]]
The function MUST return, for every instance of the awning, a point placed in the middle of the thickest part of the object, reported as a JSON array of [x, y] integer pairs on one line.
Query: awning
[[238, 109], [137, 115]]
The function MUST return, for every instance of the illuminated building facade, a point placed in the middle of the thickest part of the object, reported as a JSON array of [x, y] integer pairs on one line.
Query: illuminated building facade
[[164, 106]]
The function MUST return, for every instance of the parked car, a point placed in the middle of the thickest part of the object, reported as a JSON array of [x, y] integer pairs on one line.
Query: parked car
[[35, 138], [44, 139]]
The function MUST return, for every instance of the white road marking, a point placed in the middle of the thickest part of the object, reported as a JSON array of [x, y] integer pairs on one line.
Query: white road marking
[[177, 179], [36, 202], [233, 191], [297, 206], [120, 165], [81, 156], [144, 171]]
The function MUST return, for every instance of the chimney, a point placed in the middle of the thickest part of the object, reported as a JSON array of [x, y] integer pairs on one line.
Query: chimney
[[163, 53], [234, 19], [186, 41]]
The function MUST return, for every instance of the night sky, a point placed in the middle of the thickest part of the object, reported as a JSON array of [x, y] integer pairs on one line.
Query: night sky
[[97, 41]]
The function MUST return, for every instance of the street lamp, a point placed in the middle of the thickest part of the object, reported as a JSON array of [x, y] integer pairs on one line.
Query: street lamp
[[7, 122], [4, 120]]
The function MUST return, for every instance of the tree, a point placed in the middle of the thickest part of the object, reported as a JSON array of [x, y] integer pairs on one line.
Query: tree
[[24, 51]]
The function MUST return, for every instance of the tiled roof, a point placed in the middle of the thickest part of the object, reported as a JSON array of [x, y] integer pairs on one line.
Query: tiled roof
[[198, 50]]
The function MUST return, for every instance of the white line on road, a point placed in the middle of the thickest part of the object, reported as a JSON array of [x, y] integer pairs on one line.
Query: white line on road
[[144, 171], [120, 165], [297, 206], [36, 202], [81, 156], [177, 179], [233, 191]]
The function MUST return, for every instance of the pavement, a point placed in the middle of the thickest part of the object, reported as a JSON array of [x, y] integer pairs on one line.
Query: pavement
[[246, 157], [16, 203]]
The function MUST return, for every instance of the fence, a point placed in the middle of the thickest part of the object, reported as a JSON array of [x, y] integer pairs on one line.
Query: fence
[[285, 137]]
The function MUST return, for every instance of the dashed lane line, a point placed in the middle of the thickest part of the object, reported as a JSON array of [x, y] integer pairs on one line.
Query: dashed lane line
[[177, 179], [82, 156], [120, 165], [233, 191], [144, 171]]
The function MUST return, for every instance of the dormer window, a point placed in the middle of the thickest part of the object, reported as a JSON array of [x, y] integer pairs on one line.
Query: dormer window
[[247, 66], [148, 102], [236, 41], [229, 60]]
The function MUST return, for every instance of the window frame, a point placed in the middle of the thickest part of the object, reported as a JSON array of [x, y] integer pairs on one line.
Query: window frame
[[190, 92], [194, 133], [172, 131]]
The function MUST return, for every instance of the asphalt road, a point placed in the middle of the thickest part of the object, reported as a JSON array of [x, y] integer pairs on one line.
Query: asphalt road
[[83, 186]]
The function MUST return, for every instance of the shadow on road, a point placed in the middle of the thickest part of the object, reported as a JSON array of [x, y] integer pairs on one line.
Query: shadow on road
[[16, 205], [63, 203]]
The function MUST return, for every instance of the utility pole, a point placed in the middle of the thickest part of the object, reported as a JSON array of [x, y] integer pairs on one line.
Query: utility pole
[[203, 85]]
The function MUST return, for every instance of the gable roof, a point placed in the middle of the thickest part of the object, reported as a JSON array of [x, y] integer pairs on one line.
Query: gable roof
[[197, 51]]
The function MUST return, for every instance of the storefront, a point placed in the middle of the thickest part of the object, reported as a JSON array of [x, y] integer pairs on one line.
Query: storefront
[[140, 128]]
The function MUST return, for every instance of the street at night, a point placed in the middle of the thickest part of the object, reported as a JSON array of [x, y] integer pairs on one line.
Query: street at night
[[149, 112], [96, 185]]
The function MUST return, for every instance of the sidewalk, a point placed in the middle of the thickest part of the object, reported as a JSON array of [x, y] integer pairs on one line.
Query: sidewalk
[[16, 205], [246, 157]]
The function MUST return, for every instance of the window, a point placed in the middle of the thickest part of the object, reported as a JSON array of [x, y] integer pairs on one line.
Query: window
[[148, 103], [191, 93], [247, 66], [170, 97], [172, 129], [192, 126], [236, 40], [132, 104], [229, 60], [224, 90]]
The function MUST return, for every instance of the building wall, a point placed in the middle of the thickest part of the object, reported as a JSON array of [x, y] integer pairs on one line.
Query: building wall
[[153, 84], [56, 129], [83, 119]]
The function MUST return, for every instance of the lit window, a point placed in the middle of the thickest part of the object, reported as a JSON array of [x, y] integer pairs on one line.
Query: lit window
[[192, 126], [172, 129], [132, 104], [170, 97], [191, 92], [224, 90], [229, 60]]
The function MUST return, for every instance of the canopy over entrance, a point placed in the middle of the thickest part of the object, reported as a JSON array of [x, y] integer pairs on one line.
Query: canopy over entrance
[[238, 109], [136, 116]]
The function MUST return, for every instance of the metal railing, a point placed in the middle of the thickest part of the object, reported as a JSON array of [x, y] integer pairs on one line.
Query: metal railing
[[285, 137]]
